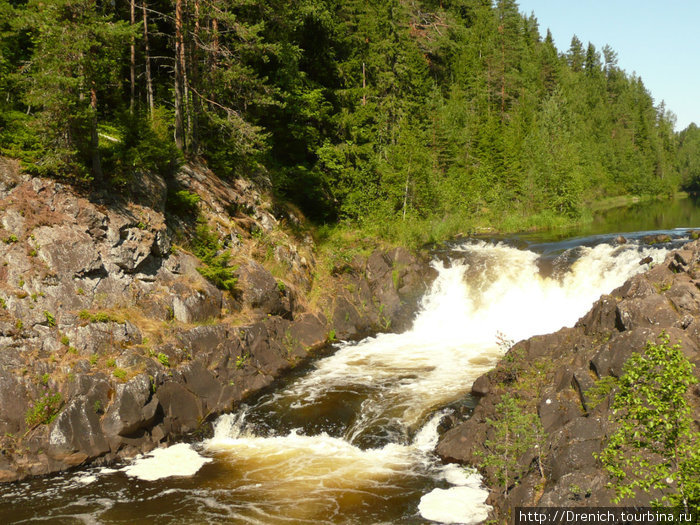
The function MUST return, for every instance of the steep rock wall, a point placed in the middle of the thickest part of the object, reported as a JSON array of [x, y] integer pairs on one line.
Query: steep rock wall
[[112, 342]]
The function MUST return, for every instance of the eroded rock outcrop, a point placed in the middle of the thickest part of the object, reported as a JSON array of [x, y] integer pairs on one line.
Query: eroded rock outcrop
[[112, 341], [554, 375]]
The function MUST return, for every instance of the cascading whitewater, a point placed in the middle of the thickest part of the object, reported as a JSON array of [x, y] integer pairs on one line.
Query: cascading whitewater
[[351, 441], [490, 289]]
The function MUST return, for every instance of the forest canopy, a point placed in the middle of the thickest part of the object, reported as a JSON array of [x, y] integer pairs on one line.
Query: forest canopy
[[370, 112]]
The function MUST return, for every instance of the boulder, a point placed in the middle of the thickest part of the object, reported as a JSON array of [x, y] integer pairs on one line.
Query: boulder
[[182, 411], [68, 251], [260, 289], [132, 408], [76, 434], [192, 305]]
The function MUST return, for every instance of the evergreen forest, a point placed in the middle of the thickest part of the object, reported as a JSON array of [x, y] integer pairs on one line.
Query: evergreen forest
[[384, 114]]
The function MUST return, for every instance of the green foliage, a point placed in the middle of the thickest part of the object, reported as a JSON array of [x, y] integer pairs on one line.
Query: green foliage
[[45, 410], [600, 391], [119, 373], [98, 317], [654, 447], [242, 359], [144, 144], [207, 246], [111, 362], [413, 120], [515, 432], [689, 157], [50, 319], [163, 359], [183, 202], [65, 340]]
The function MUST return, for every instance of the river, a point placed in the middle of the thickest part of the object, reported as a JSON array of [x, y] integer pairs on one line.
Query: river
[[349, 438]]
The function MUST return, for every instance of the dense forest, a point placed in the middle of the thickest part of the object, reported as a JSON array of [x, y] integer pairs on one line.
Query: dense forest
[[389, 112]]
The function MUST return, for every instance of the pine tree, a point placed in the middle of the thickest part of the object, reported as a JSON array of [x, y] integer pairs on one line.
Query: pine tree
[[76, 50]]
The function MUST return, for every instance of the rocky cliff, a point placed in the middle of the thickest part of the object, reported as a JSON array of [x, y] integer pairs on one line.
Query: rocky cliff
[[114, 337], [555, 376]]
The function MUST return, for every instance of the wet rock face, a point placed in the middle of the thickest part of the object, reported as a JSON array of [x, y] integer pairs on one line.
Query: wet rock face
[[379, 293], [555, 376], [112, 342]]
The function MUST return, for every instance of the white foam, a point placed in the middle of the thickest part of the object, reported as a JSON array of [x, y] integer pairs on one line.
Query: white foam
[[86, 479], [458, 475], [455, 505], [312, 458], [177, 460], [453, 339]]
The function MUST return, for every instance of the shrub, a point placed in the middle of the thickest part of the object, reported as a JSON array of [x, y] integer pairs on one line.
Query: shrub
[[163, 359], [514, 433], [216, 269], [183, 202], [655, 444], [45, 410]]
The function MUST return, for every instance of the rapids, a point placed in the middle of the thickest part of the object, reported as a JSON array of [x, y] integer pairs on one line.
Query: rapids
[[351, 439]]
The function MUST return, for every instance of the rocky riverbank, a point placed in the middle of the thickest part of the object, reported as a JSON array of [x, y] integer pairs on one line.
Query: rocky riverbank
[[558, 378], [112, 341]]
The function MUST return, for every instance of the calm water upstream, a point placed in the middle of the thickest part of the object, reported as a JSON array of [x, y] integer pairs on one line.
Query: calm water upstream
[[349, 439]]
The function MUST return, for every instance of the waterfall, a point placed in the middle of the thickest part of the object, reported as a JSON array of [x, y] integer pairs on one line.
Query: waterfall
[[351, 440]]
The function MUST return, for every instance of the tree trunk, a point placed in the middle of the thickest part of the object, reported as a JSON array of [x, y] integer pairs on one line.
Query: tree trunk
[[179, 78], [503, 77], [133, 57], [97, 174], [193, 102], [149, 80], [405, 195]]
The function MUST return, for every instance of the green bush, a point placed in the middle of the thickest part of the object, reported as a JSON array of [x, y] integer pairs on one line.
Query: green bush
[[183, 202], [216, 269], [99, 317], [142, 144], [163, 359], [45, 410], [513, 433], [654, 447]]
